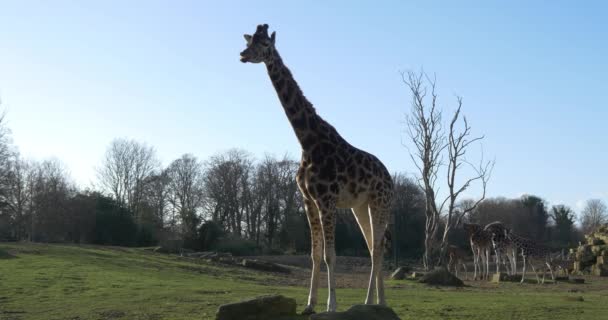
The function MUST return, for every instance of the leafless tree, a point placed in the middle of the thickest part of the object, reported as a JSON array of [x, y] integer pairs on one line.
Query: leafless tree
[[50, 190], [226, 186], [18, 196], [185, 178], [593, 215], [7, 154], [430, 142], [459, 141], [156, 196], [127, 165], [425, 131]]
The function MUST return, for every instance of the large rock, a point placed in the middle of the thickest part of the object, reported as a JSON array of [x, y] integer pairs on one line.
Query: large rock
[[359, 312], [261, 308], [264, 266], [399, 273], [441, 277], [504, 277]]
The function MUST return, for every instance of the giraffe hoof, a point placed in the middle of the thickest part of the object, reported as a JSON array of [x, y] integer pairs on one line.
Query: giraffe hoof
[[308, 311]]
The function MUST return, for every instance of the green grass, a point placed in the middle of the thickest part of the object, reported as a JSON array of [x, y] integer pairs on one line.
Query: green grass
[[88, 282]]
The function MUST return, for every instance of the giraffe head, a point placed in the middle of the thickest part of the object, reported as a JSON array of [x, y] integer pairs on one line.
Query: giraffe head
[[471, 228], [259, 45]]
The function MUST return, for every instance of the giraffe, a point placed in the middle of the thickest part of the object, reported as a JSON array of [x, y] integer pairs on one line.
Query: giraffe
[[503, 246], [457, 257], [481, 242], [533, 253], [332, 174]]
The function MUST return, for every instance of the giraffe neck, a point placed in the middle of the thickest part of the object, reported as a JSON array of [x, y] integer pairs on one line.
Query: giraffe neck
[[307, 125]]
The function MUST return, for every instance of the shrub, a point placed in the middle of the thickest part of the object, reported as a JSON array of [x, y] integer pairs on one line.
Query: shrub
[[237, 247]]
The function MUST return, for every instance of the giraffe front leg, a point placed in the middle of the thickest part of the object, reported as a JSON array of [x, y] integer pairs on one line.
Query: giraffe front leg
[[498, 259], [475, 258], [379, 217], [328, 222], [316, 245], [551, 272], [534, 270], [523, 271]]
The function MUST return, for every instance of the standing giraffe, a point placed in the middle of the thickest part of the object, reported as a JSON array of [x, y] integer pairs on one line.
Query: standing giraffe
[[534, 253], [457, 259], [481, 242], [503, 246], [332, 174]]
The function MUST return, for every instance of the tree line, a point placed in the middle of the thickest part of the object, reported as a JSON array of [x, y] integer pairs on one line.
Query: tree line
[[229, 202]]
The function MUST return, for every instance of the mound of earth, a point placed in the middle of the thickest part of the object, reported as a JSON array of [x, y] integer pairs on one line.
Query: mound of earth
[[441, 277], [261, 308], [359, 312]]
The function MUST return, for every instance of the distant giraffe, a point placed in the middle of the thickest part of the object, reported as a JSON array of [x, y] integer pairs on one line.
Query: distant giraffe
[[481, 243], [503, 246], [457, 258], [533, 253], [332, 174]]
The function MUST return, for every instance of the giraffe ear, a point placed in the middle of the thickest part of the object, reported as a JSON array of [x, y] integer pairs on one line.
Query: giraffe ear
[[272, 37], [247, 38]]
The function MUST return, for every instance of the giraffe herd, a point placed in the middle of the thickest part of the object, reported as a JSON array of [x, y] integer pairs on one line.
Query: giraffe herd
[[334, 174], [507, 246]]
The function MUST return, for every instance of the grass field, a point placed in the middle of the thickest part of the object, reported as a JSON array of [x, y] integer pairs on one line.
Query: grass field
[[87, 282]]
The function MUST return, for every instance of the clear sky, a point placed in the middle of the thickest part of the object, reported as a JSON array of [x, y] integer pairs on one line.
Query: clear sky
[[76, 74]]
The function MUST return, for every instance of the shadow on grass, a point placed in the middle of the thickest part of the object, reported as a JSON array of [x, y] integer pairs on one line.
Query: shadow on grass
[[6, 255]]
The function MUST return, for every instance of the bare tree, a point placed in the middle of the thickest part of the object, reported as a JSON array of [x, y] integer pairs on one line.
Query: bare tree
[[127, 165], [425, 130], [426, 133], [459, 142], [227, 182], [18, 196], [50, 190], [156, 196], [593, 215], [186, 187]]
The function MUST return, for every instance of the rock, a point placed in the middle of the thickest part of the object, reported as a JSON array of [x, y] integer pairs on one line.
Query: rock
[[575, 299], [503, 277], [599, 270], [170, 246], [441, 277], [264, 266], [399, 274], [260, 308], [416, 275], [359, 312]]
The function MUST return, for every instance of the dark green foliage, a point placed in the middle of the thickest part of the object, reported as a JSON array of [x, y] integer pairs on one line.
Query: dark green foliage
[[114, 224], [209, 235], [407, 232], [349, 239], [563, 217], [238, 247]]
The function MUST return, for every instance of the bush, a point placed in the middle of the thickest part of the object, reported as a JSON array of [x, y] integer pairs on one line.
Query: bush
[[114, 224], [238, 247], [146, 236], [209, 235]]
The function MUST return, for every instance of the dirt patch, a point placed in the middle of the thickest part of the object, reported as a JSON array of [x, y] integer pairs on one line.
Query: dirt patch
[[112, 314], [441, 277]]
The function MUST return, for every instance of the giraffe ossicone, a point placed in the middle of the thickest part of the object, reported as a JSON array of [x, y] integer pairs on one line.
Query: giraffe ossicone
[[332, 174]]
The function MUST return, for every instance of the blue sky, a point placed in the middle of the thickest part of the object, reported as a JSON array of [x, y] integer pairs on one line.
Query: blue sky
[[76, 74]]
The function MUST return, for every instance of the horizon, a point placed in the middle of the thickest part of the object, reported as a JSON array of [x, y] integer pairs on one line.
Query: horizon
[[74, 77]]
